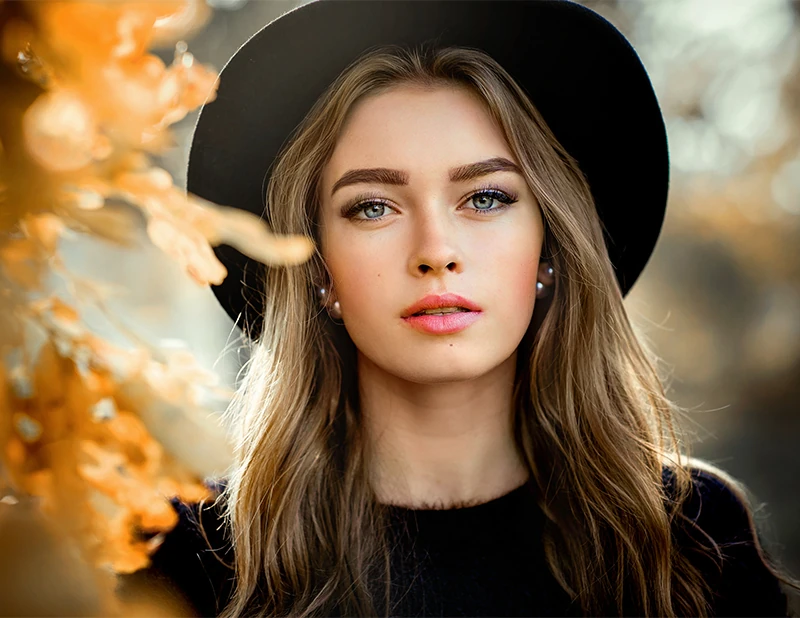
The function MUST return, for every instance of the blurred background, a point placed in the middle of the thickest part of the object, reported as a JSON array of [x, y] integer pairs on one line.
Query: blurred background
[[719, 300]]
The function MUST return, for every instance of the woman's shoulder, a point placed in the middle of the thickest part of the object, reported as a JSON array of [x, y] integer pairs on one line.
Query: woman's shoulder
[[195, 559], [718, 532]]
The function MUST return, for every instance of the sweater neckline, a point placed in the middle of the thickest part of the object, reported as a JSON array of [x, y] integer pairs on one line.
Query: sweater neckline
[[513, 518], [500, 502]]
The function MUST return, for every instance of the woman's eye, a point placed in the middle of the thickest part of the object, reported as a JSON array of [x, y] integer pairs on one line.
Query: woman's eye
[[374, 210], [483, 200], [371, 210]]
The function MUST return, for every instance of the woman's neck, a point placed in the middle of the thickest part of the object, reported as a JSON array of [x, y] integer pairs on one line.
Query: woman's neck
[[441, 445]]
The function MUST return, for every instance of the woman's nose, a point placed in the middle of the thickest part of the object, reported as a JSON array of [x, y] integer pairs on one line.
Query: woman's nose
[[435, 243]]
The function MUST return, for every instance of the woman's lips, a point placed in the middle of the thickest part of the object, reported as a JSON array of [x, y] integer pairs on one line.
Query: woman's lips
[[445, 324]]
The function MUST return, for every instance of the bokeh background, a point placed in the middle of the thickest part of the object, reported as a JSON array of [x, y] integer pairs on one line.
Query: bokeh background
[[719, 300]]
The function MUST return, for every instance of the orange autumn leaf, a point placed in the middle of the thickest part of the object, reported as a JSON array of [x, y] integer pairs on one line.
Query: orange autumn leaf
[[60, 131], [99, 433], [22, 262]]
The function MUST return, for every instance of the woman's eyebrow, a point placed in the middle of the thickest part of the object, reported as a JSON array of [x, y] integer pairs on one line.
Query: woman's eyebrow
[[462, 173], [482, 168]]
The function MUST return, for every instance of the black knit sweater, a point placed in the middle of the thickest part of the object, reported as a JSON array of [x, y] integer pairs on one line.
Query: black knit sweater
[[484, 560]]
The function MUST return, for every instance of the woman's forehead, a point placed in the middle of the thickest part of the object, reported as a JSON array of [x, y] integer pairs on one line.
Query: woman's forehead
[[417, 130]]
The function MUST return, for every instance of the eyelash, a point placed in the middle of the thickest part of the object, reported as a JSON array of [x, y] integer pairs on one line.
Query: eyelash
[[368, 199]]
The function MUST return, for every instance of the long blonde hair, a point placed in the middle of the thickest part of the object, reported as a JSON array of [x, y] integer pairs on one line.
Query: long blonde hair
[[592, 419]]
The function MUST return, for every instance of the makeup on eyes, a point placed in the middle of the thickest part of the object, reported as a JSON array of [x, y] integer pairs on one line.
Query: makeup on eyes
[[364, 200]]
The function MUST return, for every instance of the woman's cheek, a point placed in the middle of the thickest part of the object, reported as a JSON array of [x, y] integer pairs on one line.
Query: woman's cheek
[[361, 292], [516, 269]]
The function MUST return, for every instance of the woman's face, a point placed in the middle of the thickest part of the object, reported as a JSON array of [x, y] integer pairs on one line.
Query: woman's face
[[429, 221]]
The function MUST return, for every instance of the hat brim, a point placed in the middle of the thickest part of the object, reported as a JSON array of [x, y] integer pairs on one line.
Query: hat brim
[[578, 69]]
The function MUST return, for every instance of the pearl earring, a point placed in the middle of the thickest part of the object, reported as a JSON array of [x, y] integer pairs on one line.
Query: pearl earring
[[542, 291], [336, 310], [547, 278]]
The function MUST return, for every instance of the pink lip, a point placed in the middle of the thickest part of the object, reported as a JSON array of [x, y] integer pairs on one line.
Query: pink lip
[[434, 301], [443, 324]]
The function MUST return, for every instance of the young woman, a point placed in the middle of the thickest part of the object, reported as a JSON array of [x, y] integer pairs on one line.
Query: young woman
[[446, 410]]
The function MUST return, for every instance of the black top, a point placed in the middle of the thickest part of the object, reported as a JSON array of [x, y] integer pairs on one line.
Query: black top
[[484, 560]]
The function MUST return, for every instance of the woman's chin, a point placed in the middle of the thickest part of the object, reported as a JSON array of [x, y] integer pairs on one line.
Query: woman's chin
[[436, 361], [448, 370]]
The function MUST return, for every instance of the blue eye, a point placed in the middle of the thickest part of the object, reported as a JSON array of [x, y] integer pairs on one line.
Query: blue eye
[[490, 196], [370, 207], [482, 201]]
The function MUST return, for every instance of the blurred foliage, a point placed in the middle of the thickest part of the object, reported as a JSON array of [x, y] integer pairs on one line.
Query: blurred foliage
[[95, 436]]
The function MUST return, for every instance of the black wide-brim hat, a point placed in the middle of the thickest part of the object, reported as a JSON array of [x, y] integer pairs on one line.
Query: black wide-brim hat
[[577, 68]]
